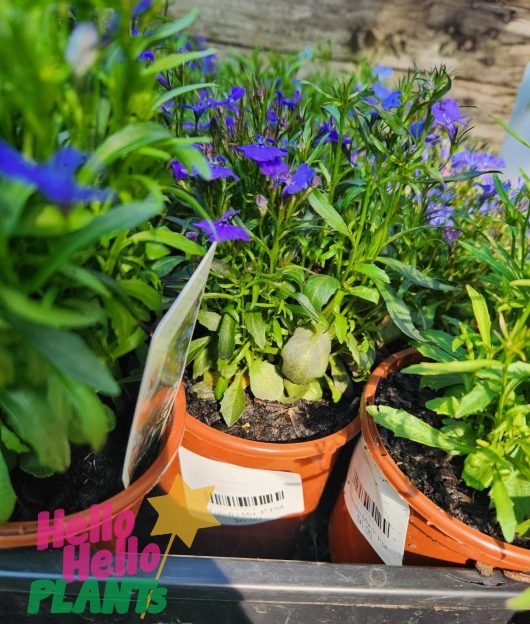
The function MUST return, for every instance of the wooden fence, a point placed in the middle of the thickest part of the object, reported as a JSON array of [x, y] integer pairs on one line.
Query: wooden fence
[[484, 44]]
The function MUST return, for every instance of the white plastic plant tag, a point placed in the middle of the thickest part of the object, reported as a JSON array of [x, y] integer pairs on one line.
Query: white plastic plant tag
[[164, 368], [378, 511], [243, 495]]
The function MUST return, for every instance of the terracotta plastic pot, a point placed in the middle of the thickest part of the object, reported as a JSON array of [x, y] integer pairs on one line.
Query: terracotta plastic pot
[[274, 538], [433, 536], [17, 534]]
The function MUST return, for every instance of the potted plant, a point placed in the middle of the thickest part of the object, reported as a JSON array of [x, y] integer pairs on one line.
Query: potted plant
[[466, 497], [317, 191], [82, 243]]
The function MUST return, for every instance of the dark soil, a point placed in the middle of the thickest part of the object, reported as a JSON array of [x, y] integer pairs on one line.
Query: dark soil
[[92, 477], [270, 421], [431, 470]]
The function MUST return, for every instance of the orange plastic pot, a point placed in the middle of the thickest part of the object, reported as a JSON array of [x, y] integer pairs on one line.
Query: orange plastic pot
[[433, 536], [17, 534], [312, 460]]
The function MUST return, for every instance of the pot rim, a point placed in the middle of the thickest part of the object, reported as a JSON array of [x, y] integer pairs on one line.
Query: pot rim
[[18, 532], [308, 448], [443, 521]]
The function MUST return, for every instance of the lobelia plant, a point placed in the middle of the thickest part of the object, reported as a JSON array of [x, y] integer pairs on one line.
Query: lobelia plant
[[484, 374], [326, 201], [83, 182]]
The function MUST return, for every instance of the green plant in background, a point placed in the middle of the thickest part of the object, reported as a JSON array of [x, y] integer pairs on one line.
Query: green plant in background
[[484, 373], [332, 190], [84, 152]]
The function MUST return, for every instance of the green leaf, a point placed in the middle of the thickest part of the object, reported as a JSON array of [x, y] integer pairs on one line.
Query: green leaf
[[322, 207], [503, 507], [479, 467], [233, 402], [171, 61], [208, 319], [341, 327], [173, 93], [340, 375], [475, 401], [122, 218], [196, 346], [365, 292], [480, 309], [311, 391], [91, 422], [138, 289], [265, 382], [399, 312], [168, 30], [415, 276], [8, 498], [123, 142], [165, 236], [36, 312], [320, 288], [443, 405], [85, 278], [192, 158], [70, 355], [372, 271], [43, 430], [227, 333], [405, 425], [306, 355], [521, 602], [256, 327], [202, 362], [11, 441], [449, 368]]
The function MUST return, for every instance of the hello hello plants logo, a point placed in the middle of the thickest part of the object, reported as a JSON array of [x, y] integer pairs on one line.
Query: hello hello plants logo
[[109, 577]]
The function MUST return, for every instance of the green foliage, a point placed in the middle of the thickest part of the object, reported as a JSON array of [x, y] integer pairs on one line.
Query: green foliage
[[80, 286], [484, 409]]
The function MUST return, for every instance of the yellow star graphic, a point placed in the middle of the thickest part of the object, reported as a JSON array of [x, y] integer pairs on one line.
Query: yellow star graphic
[[183, 511]]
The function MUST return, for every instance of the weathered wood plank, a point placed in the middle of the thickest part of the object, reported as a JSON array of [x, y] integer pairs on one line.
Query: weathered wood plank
[[485, 44]]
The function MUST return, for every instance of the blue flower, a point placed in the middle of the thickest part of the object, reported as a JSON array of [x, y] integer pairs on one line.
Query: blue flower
[[328, 134], [217, 169], [274, 168], [290, 104], [142, 7], [379, 72], [147, 56], [300, 180], [261, 152], [388, 99], [447, 115], [161, 79], [417, 129], [179, 170], [221, 230], [54, 179], [204, 104]]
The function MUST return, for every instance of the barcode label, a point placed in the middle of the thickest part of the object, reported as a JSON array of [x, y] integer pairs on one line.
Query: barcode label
[[379, 512], [370, 506], [243, 495], [247, 501]]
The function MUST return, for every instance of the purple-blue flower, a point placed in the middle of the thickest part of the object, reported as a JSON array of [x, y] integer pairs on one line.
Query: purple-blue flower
[[447, 115], [260, 152], [288, 103], [221, 230], [142, 7], [299, 181], [147, 56], [328, 134], [388, 99], [274, 168], [161, 79], [179, 170], [218, 169], [379, 72], [204, 104], [417, 129], [54, 179]]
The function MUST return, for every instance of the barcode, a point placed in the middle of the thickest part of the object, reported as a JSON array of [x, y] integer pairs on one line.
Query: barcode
[[370, 505], [247, 501]]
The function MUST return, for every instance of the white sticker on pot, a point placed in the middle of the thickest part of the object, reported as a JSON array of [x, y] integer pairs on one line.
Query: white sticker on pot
[[378, 511], [243, 495]]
